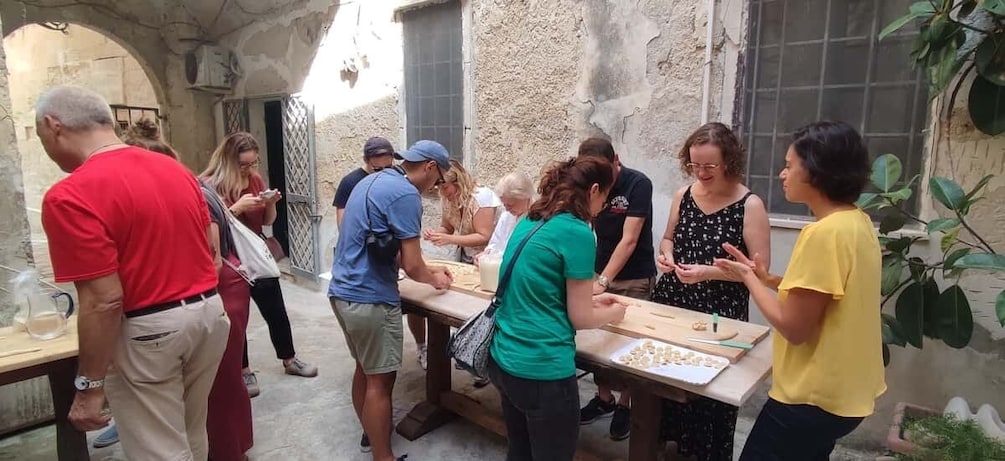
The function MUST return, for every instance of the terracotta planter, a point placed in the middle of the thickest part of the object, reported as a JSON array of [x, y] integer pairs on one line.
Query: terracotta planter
[[895, 439]]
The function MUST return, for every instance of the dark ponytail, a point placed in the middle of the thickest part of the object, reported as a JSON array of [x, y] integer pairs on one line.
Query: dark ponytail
[[565, 187]]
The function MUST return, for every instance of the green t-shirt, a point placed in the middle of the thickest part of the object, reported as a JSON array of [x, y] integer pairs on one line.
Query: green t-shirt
[[534, 338]]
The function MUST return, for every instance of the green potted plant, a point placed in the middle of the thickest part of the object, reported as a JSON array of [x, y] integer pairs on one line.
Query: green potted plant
[[964, 39], [928, 300], [945, 438]]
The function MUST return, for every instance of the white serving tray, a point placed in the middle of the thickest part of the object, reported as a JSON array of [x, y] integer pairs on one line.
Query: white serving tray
[[692, 374]]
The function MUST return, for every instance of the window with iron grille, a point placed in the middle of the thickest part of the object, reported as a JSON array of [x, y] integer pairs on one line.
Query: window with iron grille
[[811, 60], [126, 116], [434, 87]]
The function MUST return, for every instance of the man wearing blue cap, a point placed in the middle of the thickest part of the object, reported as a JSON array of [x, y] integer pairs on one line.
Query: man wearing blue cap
[[382, 219], [377, 155]]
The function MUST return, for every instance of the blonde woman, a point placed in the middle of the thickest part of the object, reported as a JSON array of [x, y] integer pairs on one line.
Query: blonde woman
[[232, 171], [469, 213], [516, 192]]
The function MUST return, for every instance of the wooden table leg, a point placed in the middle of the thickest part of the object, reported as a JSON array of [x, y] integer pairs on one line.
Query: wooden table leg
[[71, 444], [647, 410], [429, 415]]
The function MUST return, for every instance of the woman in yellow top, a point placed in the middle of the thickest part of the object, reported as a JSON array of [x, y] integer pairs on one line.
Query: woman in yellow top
[[828, 362]]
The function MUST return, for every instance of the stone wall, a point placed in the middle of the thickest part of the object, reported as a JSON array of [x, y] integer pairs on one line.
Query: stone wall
[[39, 58], [155, 34]]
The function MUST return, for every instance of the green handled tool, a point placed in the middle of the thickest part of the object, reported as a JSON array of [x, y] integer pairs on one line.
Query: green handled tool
[[736, 344]]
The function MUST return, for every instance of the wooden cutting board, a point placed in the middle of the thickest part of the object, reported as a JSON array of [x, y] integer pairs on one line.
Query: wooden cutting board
[[466, 277], [674, 325]]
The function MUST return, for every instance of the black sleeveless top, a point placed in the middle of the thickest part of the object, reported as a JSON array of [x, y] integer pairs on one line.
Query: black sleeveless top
[[698, 239]]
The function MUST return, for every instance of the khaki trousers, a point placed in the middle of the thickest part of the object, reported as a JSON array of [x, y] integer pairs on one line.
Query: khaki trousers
[[165, 364]]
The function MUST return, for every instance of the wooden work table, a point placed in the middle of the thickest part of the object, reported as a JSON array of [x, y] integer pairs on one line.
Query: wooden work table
[[445, 309], [57, 359]]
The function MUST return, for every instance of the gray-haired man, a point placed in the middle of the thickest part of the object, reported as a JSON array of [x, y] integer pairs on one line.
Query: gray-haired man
[[130, 229]]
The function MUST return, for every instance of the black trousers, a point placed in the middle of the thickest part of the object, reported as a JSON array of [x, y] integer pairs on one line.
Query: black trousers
[[542, 417], [268, 295], [786, 432]]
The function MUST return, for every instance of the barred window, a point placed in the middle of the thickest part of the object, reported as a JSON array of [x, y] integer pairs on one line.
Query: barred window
[[434, 87], [810, 60]]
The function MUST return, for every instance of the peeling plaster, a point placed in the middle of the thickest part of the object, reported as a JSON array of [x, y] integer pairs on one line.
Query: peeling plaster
[[613, 75]]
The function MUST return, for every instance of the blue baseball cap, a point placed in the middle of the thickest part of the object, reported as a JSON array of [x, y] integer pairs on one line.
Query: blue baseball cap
[[426, 150]]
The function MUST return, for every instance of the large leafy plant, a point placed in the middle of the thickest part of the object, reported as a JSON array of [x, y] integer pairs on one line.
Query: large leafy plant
[[929, 301], [958, 33]]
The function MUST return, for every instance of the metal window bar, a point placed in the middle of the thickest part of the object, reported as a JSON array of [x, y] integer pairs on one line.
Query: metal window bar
[[868, 87]]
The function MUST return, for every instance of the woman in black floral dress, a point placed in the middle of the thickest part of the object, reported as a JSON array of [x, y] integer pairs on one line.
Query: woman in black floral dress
[[717, 208]]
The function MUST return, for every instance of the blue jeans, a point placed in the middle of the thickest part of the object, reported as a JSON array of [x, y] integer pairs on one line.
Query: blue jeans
[[786, 432], [542, 417]]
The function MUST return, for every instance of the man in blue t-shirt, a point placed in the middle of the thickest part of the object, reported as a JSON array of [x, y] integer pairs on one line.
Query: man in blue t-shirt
[[383, 207], [378, 153]]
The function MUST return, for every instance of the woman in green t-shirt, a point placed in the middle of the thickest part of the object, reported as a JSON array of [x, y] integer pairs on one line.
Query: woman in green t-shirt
[[828, 361], [549, 296]]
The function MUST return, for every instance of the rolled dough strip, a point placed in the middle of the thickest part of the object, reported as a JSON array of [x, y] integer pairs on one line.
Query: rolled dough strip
[[19, 351], [662, 314]]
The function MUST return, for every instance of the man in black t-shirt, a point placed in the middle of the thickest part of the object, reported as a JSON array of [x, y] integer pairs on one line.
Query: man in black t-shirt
[[625, 264], [378, 153]]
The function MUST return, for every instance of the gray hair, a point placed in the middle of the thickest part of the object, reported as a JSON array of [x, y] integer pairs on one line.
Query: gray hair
[[516, 185], [78, 109]]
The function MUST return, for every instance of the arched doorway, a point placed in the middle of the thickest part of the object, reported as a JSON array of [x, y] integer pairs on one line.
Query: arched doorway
[[39, 57]]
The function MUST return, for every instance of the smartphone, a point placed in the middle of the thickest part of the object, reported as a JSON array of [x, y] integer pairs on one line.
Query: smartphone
[[267, 194]]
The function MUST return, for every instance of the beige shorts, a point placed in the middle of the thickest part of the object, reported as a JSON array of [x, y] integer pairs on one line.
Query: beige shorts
[[373, 333]]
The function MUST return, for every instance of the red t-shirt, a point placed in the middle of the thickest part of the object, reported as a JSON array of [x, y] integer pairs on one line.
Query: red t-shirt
[[137, 213]]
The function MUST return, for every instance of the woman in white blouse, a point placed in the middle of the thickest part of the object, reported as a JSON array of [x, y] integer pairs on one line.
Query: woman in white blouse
[[516, 191]]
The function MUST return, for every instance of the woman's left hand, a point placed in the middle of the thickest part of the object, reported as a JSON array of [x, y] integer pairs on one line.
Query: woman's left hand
[[692, 273], [737, 270], [273, 198]]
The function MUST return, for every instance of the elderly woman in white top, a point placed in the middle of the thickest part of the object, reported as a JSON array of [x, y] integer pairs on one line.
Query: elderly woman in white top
[[516, 191]]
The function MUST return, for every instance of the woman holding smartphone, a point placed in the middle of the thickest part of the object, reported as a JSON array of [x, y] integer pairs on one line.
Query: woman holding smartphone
[[233, 172]]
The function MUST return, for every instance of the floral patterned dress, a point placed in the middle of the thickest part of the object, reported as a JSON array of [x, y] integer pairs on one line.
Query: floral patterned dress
[[703, 427]]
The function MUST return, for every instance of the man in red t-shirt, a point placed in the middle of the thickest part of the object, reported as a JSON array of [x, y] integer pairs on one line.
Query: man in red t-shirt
[[129, 228]]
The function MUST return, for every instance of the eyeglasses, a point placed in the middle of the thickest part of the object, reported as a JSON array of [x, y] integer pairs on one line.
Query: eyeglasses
[[441, 180], [702, 166], [248, 166]]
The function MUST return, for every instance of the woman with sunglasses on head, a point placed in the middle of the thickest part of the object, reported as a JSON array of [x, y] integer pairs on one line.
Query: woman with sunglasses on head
[[827, 351], [233, 172], [714, 210], [469, 213], [468, 219]]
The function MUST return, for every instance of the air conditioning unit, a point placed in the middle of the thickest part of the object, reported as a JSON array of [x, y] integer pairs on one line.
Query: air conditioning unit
[[211, 68]]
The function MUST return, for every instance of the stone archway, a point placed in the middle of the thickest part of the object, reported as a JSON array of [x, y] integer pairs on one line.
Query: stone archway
[[39, 57]]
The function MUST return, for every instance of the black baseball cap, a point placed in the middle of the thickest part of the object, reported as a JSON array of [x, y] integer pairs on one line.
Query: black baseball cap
[[377, 146]]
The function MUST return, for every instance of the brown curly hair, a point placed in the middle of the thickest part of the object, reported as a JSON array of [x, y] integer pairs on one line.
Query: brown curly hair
[[147, 134], [734, 156], [565, 187]]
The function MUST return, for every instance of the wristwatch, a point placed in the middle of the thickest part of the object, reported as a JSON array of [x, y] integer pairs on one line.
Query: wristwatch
[[83, 383], [602, 280]]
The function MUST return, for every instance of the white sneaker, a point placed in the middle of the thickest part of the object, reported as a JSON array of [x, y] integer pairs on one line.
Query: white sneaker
[[422, 356]]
